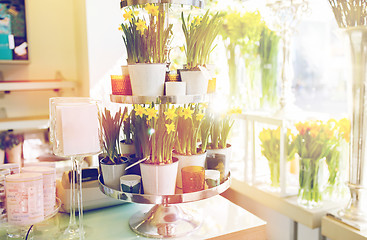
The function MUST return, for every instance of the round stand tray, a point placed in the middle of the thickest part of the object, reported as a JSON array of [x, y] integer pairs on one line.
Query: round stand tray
[[184, 99], [166, 219], [195, 3]]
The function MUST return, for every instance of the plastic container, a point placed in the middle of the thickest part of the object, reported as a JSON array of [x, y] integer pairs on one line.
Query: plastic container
[[49, 186], [13, 167], [24, 198], [3, 215]]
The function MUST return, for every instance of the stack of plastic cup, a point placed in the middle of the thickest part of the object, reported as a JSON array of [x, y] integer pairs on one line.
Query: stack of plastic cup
[[49, 186]]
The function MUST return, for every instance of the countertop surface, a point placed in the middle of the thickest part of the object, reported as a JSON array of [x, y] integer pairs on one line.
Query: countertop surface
[[222, 219]]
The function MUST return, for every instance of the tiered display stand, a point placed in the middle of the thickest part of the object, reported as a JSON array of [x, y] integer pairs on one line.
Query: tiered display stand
[[166, 218]]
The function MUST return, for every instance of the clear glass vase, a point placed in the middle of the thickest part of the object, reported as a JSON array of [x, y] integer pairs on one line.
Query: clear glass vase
[[310, 183], [274, 174], [357, 206]]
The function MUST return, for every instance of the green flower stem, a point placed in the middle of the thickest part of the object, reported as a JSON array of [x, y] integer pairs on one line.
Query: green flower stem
[[309, 188]]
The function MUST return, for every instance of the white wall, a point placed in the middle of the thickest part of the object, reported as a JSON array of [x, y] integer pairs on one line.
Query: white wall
[[106, 49], [52, 48]]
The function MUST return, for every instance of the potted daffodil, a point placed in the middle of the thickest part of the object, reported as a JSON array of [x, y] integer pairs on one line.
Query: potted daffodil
[[146, 42], [199, 35], [155, 133], [113, 164], [190, 119]]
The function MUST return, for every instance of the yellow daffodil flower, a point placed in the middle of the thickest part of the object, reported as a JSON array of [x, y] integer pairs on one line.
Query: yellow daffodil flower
[[170, 114], [139, 110], [125, 118], [120, 28], [151, 9], [151, 113], [170, 127], [140, 26], [196, 21], [180, 112], [199, 116], [182, 48], [187, 113], [128, 15]]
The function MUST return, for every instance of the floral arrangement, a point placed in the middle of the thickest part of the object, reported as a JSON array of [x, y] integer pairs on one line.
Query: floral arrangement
[[199, 35], [188, 129], [268, 52], [241, 33], [338, 141], [313, 143], [270, 148], [222, 125], [111, 126], [154, 132], [146, 42]]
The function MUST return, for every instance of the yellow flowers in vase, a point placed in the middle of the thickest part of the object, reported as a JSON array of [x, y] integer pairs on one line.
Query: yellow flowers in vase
[[313, 143], [270, 148]]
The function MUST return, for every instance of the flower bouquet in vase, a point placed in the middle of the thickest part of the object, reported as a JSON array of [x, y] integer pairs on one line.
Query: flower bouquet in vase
[[186, 148], [313, 145], [112, 164], [155, 134], [336, 160], [199, 35], [270, 149], [146, 43]]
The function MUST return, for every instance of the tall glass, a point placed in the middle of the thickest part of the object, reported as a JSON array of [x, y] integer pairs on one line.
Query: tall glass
[[75, 132]]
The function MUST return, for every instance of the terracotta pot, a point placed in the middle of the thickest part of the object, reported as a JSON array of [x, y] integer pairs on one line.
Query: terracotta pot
[[14, 155]]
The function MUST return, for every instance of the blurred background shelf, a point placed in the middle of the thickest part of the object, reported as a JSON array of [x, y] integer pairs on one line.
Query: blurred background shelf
[[8, 86], [24, 123]]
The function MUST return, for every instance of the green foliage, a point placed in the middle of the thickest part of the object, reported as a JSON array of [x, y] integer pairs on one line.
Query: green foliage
[[9, 140], [199, 36], [111, 126], [206, 127], [268, 52], [127, 126], [148, 45], [188, 129]]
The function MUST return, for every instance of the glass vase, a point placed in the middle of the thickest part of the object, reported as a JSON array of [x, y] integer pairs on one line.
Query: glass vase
[[310, 183], [357, 206], [274, 174]]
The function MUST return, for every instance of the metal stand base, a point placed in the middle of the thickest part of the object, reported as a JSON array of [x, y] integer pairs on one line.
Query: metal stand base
[[165, 221], [357, 206]]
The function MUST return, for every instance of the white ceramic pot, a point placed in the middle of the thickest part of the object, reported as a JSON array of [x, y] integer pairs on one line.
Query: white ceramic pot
[[147, 79], [112, 173], [175, 88], [14, 155], [159, 179], [225, 151], [127, 149], [196, 82], [184, 161], [125, 70]]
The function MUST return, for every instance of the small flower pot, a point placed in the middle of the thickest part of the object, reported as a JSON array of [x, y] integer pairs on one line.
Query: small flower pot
[[188, 160], [112, 172], [159, 179], [14, 155], [126, 149], [147, 79], [196, 82], [213, 161], [175, 88]]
